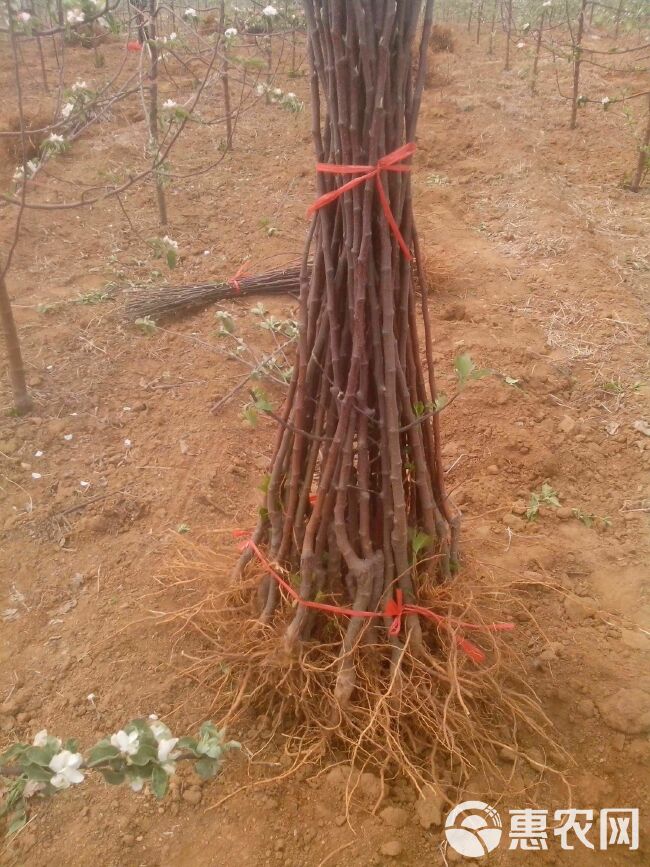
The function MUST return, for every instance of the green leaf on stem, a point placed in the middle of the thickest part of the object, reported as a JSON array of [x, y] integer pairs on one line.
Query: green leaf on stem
[[466, 369], [226, 320], [188, 744], [38, 773], [159, 781], [147, 753], [260, 400], [15, 751], [207, 768], [419, 541], [146, 324], [102, 752], [41, 755], [114, 778], [19, 821], [440, 402]]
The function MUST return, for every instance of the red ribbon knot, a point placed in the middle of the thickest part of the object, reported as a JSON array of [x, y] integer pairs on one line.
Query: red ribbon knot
[[392, 162], [233, 282], [395, 608]]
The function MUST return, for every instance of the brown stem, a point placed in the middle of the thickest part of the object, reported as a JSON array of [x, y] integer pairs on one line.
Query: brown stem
[[644, 156], [538, 46], [508, 33], [577, 60], [492, 27], [153, 113], [22, 400]]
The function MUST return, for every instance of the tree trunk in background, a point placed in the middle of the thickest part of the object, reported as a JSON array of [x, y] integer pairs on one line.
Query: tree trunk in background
[[479, 21], [644, 156], [508, 34], [577, 60], [619, 14], [538, 47], [492, 27], [153, 111], [22, 400]]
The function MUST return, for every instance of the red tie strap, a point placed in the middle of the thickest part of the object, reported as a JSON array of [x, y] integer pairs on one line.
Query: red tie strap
[[234, 280], [392, 162], [395, 608]]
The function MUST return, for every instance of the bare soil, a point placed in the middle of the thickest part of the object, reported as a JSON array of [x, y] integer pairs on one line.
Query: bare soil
[[540, 270]]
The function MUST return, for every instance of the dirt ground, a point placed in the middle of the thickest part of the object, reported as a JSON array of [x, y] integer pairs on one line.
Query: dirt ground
[[540, 270]]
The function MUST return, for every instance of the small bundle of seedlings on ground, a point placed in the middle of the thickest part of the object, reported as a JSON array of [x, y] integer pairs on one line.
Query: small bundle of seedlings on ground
[[176, 300]]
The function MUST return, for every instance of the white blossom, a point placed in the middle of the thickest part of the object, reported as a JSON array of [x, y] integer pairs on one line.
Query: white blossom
[[605, 100], [24, 17], [190, 13], [55, 138], [269, 11], [230, 33], [67, 437], [166, 755], [169, 242], [41, 738], [127, 443], [260, 90], [521, 45], [127, 744], [75, 16], [79, 85], [39, 454], [169, 104], [277, 91], [66, 769], [19, 173], [165, 749], [173, 36], [36, 476], [67, 109]]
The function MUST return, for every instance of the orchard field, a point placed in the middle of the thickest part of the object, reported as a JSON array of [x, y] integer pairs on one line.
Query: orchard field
[[144, 449]]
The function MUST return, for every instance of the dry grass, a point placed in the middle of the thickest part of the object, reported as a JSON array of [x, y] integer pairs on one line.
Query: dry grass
[[433, 717], [441, 38], [577, 328]]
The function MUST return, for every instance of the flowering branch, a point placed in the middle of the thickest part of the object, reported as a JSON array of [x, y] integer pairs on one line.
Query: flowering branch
[[143, 752]]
